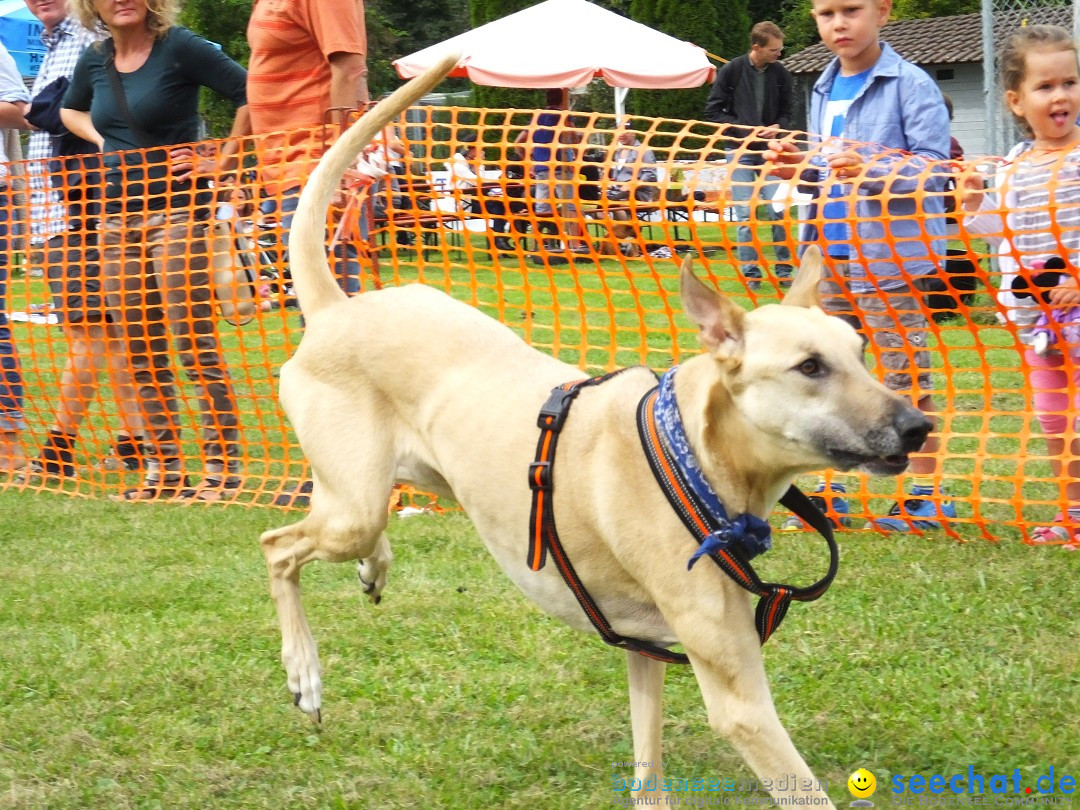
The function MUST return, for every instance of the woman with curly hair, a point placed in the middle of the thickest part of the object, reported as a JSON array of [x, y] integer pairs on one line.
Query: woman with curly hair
[[136, 96]]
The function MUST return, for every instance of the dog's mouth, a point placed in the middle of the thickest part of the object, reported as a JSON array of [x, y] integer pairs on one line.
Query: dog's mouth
[[889, 465], [875, 465]]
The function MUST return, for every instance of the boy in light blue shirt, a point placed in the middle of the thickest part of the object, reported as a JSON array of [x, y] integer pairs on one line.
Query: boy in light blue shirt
[[870, 95]]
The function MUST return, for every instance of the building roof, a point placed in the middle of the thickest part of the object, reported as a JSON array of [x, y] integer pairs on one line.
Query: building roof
[[940, 40]]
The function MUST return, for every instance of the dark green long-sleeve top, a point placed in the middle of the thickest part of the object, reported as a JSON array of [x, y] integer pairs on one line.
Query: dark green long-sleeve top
[[163, 98]]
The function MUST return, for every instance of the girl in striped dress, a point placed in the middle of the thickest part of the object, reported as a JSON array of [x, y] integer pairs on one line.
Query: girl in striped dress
[[1039, 191]]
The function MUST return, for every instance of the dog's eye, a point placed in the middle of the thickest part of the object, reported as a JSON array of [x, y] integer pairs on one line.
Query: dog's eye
[[811, 367]]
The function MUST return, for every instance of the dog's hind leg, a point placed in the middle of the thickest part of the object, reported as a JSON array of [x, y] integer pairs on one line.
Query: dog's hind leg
[[646, 677], [741, 709]]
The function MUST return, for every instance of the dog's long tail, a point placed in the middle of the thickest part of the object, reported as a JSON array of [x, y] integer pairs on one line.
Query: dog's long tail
[[312, 280]]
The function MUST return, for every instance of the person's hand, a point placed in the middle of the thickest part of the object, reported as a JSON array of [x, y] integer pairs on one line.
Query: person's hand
[[971, 188], [782, 158], [1066, 294], [767, 133], [847, 164], [185, 162]]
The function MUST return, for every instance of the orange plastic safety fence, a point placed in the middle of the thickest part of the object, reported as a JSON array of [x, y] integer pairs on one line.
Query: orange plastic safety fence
[[168, 313]]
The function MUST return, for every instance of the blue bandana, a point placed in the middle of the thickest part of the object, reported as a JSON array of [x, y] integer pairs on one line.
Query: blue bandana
[[749, 532]]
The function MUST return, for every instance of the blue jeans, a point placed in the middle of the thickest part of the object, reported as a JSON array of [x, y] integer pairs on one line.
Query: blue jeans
[[743, 187], [11, 382], [346, 263]]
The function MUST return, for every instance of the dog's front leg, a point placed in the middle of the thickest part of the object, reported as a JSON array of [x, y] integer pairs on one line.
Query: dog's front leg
[[286, 551], [646, 677], [741, 709]]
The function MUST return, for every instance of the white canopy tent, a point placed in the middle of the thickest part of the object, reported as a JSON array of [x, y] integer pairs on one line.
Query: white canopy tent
[[567, 43]]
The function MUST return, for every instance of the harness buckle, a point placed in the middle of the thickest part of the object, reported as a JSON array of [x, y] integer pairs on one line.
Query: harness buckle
[[554, 411], [540, 475]]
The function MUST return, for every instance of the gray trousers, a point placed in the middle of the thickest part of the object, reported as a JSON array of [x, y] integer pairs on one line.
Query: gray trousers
[[157, 280]]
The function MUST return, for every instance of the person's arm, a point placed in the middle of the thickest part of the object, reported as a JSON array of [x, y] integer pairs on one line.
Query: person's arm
[[925, 119], [983, 207], [79, 123], [647, 173], [518, 149], [205, 64], [75, 107], [14, 98], [13, 115], [241, 127], [719, 107], [346, 72], [462, 172]]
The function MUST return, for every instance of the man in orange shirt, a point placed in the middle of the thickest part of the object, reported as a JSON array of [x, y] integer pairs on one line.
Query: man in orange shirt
[[307, 69]]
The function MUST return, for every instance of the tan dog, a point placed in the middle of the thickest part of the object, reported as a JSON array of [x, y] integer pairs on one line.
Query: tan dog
[[407, 384]]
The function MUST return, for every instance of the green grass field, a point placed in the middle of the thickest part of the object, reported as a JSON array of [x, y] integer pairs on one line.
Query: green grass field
[[140, 664], [140, 670]]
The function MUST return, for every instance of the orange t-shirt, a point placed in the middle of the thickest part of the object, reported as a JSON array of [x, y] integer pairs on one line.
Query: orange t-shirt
[[288, 85]]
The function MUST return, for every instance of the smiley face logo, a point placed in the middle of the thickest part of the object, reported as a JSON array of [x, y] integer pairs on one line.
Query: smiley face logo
[[862, 784]]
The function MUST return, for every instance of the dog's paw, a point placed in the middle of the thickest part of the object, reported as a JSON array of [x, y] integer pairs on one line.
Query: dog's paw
[[316, 717], [304, 677], [372, 579], [308, 699]]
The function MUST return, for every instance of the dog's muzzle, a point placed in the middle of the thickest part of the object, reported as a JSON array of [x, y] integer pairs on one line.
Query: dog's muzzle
[[888, 447]]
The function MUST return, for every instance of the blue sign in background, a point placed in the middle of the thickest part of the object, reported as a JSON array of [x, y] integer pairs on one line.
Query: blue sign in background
[[20, 32]]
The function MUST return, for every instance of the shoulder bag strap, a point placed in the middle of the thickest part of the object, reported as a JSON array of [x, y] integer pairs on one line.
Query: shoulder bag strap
[[121, 99]]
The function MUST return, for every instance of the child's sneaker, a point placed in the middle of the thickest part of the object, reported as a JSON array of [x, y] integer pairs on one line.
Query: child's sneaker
[[926, 515], [839, 506]]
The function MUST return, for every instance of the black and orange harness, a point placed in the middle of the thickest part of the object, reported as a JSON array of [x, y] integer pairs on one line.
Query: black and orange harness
[[730, 543]]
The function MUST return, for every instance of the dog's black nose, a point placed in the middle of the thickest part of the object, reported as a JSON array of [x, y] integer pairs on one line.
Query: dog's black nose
[[912, 426]]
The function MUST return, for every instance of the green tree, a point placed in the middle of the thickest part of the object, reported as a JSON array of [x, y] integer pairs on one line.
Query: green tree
[[918, 9], [225, 23], [759, 10], [697, 21], [801, 32], [484, 11], [394, 28]]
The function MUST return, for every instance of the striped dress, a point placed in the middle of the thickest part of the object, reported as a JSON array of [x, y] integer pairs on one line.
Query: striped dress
[[1042, 205]]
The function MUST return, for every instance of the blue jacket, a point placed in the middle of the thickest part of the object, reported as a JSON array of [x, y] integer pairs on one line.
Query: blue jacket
[[899, 107]]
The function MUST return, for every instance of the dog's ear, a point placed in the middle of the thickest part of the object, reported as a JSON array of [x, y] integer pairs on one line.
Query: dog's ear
[[804, 290], [718, 318]]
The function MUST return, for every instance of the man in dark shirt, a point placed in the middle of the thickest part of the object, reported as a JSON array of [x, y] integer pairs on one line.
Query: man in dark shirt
[[754, 90]]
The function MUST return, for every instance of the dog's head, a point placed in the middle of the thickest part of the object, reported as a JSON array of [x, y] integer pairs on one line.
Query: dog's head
[[791, 384]]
